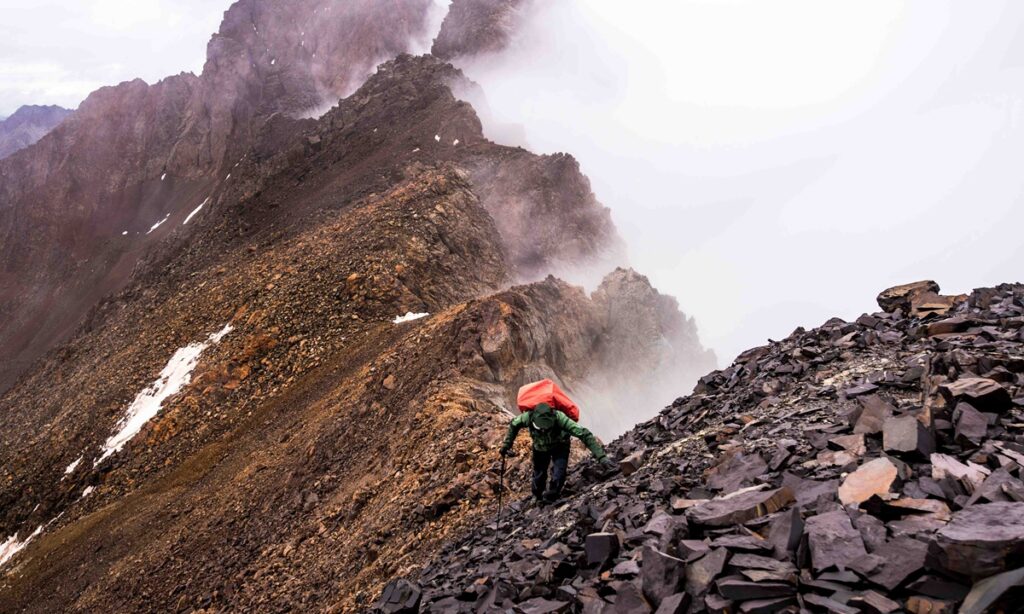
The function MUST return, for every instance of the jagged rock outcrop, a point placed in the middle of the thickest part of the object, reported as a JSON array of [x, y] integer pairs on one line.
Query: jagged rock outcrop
[[790, 481], [27, 125], [475, 28]]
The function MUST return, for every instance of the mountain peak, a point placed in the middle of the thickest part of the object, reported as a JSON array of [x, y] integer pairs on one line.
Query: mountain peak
[[27, 125]]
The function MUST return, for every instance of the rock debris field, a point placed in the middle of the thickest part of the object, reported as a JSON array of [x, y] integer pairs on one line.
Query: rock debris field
[[869, 466]]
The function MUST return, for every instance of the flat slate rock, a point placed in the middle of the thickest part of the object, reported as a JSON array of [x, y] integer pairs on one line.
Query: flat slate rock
[[702, 572], [907, 436], [601, 547], [539, 605], [833, 541], [986, 592], [739, 589], [399, 597], [661, 575], [740, 507], [736, 471], [984, 394], [903, 558], [980, 540], [875, 477], [873, 415]]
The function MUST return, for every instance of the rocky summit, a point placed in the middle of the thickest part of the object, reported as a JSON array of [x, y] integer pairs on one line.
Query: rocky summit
[[866, 466]]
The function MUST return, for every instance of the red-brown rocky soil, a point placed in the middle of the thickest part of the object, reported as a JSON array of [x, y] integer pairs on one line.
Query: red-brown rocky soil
[[210, 251]]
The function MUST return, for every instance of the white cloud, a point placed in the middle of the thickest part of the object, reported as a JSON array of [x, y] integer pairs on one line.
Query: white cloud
[[776, 164], [58, 51]]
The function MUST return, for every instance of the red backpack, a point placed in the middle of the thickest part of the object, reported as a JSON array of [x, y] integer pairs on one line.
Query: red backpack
[[546, 391]]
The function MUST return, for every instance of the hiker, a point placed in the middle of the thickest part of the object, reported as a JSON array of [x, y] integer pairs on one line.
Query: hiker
[[550, 431]]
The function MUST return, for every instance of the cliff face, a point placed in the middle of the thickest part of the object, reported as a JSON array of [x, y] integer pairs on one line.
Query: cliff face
[[265, 354], [27, 125]]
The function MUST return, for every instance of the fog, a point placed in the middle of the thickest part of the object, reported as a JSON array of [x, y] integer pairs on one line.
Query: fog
[[58, 51], [776, 164]]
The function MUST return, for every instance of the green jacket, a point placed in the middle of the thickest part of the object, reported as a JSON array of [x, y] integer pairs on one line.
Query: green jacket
[[544, 441]]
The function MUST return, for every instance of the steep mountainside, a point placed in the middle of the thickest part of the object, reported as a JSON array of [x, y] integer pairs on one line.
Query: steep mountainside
[[134, 153], [261, 356], [28, 124], [871, 466]]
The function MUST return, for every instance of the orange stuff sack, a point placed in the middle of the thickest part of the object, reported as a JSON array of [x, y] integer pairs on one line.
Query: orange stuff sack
[[546, 391]]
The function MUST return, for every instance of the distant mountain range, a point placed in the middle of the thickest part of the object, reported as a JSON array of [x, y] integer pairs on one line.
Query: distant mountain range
[[28, 124]]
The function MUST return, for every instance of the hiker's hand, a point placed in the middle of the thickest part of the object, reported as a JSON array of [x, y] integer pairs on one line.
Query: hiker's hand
[[608, 464]]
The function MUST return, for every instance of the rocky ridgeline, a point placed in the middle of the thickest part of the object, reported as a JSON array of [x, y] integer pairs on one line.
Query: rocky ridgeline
[[868, 466]]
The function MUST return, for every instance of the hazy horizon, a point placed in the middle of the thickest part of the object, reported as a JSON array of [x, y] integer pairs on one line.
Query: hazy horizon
[[773, 166]]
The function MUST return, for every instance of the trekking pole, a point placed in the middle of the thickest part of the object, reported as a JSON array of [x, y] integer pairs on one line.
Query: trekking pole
[[501, 491]]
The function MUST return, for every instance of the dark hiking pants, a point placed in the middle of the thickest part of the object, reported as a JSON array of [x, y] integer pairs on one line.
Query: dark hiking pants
[[559, 458]]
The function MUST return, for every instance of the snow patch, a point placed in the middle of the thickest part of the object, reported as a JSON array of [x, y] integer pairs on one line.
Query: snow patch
[[88, 491], [146, 405], [409, 317], [228, 177], [164, 176], [12, 546], [437, 137], [158, 224], [71, 468], [455, 142], [124, 233], [195, 211], [416, 150], [274, 61]]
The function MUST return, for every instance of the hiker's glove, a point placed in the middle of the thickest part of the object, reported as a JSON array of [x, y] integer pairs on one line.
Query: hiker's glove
[[608, 464]]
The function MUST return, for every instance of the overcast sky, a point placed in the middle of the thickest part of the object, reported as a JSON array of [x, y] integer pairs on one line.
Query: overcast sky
[[774, 164], [57, 51]]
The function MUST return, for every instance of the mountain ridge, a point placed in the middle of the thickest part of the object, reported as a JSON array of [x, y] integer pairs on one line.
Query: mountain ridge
[[27, 125]]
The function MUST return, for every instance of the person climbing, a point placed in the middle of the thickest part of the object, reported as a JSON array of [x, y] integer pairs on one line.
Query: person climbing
[[550, 431]]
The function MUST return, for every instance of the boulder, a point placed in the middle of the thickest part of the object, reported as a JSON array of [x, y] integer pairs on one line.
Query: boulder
[[900, 297], [833, 541], [601, 548], [906, 435], [875, 477], [631, 463], [983, 394], [873, 414], [980, 541], [902, 559]]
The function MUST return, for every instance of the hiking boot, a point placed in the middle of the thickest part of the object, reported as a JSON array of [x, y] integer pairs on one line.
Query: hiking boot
[[550, 496]]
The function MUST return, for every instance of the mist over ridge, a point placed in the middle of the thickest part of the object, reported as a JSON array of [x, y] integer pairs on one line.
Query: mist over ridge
[[761, 160]]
